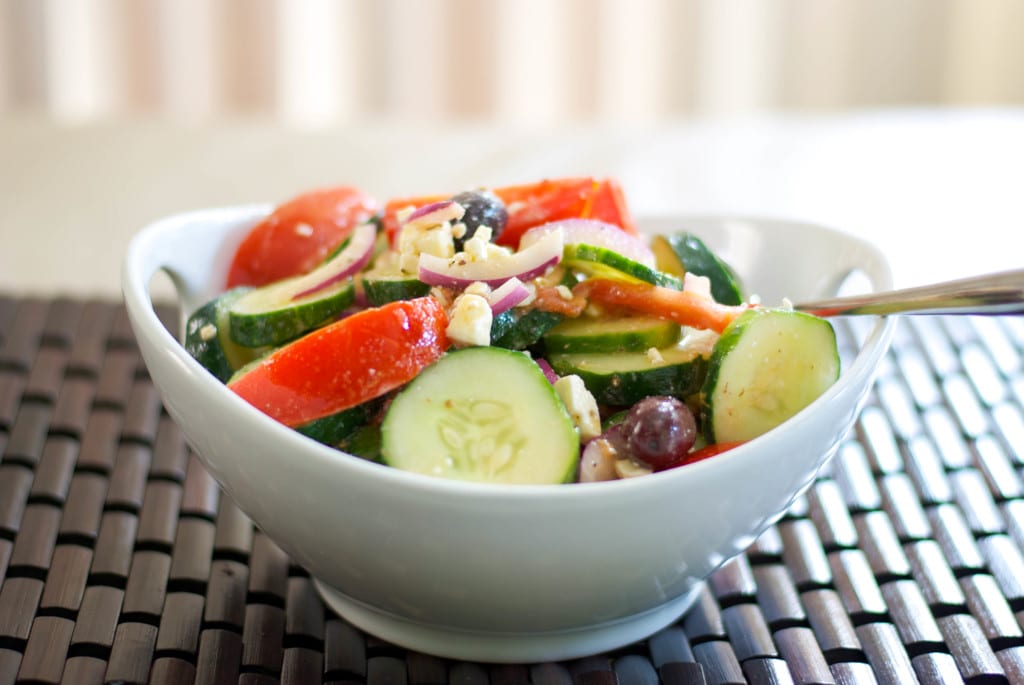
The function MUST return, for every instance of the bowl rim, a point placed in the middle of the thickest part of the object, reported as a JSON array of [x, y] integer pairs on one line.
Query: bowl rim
[[137, 296]]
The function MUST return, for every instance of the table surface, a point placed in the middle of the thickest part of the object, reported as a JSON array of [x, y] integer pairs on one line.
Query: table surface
[[939, 191], [121, 561]]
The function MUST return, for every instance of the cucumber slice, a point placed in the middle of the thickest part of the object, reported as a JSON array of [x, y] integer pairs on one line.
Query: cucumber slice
[[383, 288], [517, 330], [600, 262], [626, 334], [685, 252], [280, 311], [482, 414], [269, 315], [363, 443], [208, 339], [332, 429], [622, 379], [335, 428], [767, 366]]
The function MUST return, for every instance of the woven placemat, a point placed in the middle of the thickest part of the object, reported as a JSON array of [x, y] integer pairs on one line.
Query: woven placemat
[[121, 561]]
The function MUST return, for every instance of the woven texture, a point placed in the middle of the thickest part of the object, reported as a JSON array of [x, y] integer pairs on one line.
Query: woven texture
[[120, 560]]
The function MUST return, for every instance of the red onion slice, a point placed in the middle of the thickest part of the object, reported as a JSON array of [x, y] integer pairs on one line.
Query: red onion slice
[[549, 372], [352, 258], [596, 233], [597, 463], [507, 295], [436, 213], [460, 271]]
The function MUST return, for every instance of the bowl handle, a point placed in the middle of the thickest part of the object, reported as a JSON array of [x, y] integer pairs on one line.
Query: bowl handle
[[194, 249], [859, 261]]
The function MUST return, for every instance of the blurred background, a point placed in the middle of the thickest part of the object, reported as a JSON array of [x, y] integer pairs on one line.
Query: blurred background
[[891, 119], [320, 63]]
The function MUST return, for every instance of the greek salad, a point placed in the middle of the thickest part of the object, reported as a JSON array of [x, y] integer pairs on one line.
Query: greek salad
[[519, 334]]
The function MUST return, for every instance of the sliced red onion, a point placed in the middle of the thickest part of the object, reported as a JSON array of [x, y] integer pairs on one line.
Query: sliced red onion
[[596, 233], [460, 271], [352, 258], [549, 372], [436, 213], [597, 463], [507, 295]]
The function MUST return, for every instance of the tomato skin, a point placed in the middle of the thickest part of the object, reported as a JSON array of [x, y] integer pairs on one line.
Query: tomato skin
[[685, 308], [703, 453], [538, 203], [348, 362], [609, 205], [569, 198], [298, 235], [533, 204]]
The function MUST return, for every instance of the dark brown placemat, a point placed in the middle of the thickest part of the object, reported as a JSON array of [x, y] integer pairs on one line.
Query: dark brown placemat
[[121, 561]]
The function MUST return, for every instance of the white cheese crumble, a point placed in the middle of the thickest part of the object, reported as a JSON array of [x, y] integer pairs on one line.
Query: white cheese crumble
[[442, 295], [698, 340], [427, 234], [654, 355], [581, 405], [698, 285], [478, 288], [627, 468], [476, 247], [483, 232], [469, 321], [208, 332], [564, 292]]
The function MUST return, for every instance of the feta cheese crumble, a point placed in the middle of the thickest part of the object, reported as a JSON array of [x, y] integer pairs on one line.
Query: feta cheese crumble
[[431, 234], [469, 321], [581, 405], [698, 285]]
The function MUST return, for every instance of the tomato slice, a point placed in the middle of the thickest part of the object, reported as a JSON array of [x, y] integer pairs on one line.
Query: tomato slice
[[298, 235], [706, 452], [553, 200], [609, 204], [348, 362], [534, 204], [681, 306]]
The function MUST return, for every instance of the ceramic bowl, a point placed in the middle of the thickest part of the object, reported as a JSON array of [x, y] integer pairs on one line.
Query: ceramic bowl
[[504, 573]]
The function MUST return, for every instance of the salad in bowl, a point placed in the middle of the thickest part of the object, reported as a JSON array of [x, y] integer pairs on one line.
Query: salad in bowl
[[454, 339], [507, 423]]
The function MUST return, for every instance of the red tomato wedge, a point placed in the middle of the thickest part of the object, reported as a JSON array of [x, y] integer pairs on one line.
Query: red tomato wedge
[[685, 308], [348, 362], [703, 453], [572, 198], [298, 235], [534, 204]]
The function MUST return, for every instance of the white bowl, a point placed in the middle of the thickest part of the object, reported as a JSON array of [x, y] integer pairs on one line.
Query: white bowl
[[503, 573]]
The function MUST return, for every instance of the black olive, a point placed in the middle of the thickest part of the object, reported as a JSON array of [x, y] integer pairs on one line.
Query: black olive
[[483, 208]]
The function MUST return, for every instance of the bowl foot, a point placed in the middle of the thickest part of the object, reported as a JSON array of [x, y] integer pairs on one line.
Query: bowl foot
[[503, 647]]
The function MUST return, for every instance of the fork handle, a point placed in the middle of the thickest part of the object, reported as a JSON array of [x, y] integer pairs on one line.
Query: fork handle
[[996, 293]]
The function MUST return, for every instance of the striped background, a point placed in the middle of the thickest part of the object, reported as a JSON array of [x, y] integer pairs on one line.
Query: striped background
[[316, 63]]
